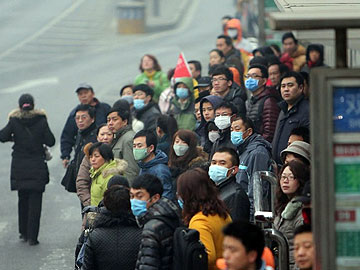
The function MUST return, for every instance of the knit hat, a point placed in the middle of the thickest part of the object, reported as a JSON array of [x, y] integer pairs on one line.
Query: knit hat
[[26, 102], [298, 147], [145, 88]]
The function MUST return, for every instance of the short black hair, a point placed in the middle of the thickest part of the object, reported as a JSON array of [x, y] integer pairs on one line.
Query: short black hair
[[118, 180], [226, 104], [263, 69], [227, 17], [250, 235], [87, 108], [304, 228], [299, 79], [150, 137], [126, 86], [117, 199], [220, 53], [222, 70], [228, 40], [289, 35], [144, 88], [248, 123], [303, 132], [104, 150], [275, 47], [258, 60], [234, 156], [123, 114], [196, 63], [149, 182]]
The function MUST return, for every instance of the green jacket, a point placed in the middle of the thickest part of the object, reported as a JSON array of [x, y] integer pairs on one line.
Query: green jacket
[[160, 80], [101, 177], [184, 112]]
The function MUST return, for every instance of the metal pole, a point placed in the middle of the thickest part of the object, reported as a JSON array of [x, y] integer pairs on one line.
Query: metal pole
[[341, 47], [261, 22]]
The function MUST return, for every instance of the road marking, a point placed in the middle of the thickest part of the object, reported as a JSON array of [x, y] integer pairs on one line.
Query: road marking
[[44, 29], [30, 84]]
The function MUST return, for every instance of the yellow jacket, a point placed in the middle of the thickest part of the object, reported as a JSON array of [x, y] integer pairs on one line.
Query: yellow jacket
[[210, 229]]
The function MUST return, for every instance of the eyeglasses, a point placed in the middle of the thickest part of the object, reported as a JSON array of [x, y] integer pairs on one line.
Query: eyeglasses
[[289, 177], [254, 76], [82, 117], [218, 80]]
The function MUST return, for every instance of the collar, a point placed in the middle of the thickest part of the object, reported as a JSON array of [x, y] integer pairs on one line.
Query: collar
[[88, 129]]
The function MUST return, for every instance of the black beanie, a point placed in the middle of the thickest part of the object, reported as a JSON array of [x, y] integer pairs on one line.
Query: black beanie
[[145, 88], [26, 102]]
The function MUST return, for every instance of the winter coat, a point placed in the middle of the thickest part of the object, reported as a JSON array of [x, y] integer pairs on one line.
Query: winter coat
[[83, 182], [184, 112], [296, 60], [286, 223], [113, 243], [156, 248], [69, 133], [29, 130], [297, 116], [160, 80], [235, 97], [254, 155], [164, 144], [146, 117], [122, 146], [233, 59], [101, 176], [165, 99], [223, 141], [264, 111], [158, 167], [235, 199]]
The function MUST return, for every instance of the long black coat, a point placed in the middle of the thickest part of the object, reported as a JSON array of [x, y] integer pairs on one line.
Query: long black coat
[[29, 131], [113, 244]]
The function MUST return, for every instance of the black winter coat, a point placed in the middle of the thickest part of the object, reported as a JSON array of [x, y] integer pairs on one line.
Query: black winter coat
[[156, 249], [148, 115], [113, 243], [29, 131], [235, 97]]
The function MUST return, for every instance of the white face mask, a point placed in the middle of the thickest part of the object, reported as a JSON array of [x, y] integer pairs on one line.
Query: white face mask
[[232, 32], [222, 121], [213, 136]]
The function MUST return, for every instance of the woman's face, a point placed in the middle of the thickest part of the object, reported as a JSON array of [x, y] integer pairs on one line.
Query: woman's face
[[147, 63], [127, 91], [215, 59], [179, 141], [105, 135], [96, 160], [288, 183]]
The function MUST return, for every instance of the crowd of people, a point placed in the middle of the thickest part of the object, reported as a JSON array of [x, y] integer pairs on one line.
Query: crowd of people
[[180, 152]]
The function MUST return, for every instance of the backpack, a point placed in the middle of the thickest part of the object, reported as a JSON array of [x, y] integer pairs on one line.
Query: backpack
[[188, 251]]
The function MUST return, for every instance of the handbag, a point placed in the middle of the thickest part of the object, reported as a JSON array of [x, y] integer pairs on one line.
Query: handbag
[[69, 179]]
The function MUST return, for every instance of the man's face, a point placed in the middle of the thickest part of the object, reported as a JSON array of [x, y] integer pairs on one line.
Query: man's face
[[142, 195], [290, 90], [289, 45], [224, 160], [140, 143], [235, 255], [255, 73], [222, 111], [86, 96], [83, 120], [197, 111], [195, 73], [314, 56], [114, 122], [222, 46], [220, 83], [142, 95], [274, 74], [304, 250], [238, 125]]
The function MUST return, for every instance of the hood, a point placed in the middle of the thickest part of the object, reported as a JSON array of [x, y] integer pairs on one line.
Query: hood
[[28, 118], [160, 158], [114, 167], [201, 159], [234, 24], [105, 219], [214, 100], [254, 141], [315, 47], [188, 81]]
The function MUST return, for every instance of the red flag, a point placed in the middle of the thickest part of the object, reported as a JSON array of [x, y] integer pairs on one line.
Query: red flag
[[182, 68]]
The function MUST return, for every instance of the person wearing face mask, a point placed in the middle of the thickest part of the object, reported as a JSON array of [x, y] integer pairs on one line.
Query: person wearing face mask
[[223, 169], [254, 155], [146, 111], [223, 115], [182, 104], [152, 161], [212, 134], [126, 93], [262, 107], [184, 152], [148, 206]]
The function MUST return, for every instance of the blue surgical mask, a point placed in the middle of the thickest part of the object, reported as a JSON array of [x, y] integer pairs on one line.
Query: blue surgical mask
[[252, 84], [180, 149], [138, 207], [139, 104], [237, 137], [181, 203], [182, 92], [217, 173], [129, 99]]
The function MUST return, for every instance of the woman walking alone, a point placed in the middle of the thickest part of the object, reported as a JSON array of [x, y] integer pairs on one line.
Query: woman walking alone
[[28, 129]]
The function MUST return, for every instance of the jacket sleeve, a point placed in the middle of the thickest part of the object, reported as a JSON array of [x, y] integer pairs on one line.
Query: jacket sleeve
[[241, 206], [164, 176], [133, 169], [68, 135], [49, 138], [89, 256], [6, 133], [83, 182], [239, 103], [270, 115]]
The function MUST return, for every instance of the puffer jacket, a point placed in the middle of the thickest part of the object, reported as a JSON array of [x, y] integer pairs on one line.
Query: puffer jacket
[[156, 249], [286, 223], [184, 112], [158, 167], [113, 243], [264, 118], [147, 117], [101, 177], [29, 130]]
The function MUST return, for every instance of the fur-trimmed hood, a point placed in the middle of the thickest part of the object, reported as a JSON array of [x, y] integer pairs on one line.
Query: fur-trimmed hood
[[21, 114], [114, 167]]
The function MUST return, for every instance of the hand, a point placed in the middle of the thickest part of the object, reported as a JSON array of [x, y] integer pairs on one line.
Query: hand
[[151, 83], [65, 163]]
